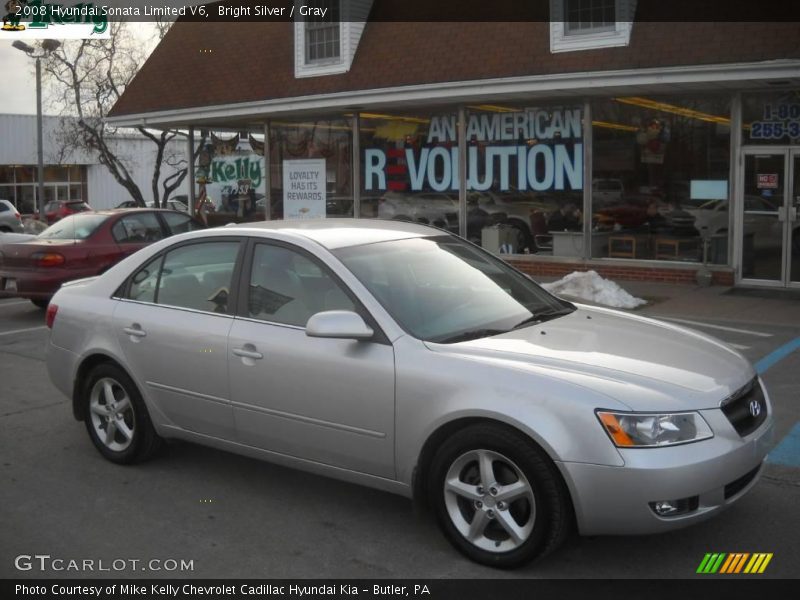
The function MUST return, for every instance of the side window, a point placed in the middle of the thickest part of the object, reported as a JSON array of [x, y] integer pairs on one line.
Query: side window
[[144, 282], [139, 228], [178, 223], [288, 287], [198, 276]]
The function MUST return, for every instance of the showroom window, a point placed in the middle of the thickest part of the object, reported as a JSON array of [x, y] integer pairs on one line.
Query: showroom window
[[311, 169], [660, 188], [525, 177], [231, 178], [409, 168], [771, 119]]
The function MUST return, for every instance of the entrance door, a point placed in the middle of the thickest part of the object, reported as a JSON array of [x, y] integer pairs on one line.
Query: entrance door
[[793, 218], [770, 243]]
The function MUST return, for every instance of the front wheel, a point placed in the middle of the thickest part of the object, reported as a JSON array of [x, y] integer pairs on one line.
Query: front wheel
[[116, 417], [498, 498]]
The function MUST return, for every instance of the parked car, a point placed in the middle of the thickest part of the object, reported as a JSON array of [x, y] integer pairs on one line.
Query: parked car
[[607, 191], [82, 245], [10, 219], [172, 204], [58, 209], [402, 357], [760, 220]]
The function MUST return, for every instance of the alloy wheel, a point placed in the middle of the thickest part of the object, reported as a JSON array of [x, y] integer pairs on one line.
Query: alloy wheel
[[112, 414]]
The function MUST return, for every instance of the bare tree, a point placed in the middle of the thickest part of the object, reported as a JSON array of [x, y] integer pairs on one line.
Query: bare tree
[[85, 79]]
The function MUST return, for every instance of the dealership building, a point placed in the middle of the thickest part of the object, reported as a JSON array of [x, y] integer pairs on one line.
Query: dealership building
[[590, 135], [73, 173]]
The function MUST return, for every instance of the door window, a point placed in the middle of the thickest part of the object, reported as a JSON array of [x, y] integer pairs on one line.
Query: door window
[[178, 223], [197, 276], [144, 282], [139, 228], [288, 287]]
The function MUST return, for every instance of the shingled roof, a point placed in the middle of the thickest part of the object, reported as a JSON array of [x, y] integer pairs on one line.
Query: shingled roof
[[202, 64]]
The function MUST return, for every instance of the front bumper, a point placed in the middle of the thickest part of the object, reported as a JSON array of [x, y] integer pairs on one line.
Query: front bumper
[[715, 473]]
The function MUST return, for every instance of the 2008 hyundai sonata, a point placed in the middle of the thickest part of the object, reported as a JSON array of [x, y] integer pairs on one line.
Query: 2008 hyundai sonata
[[404, 358]]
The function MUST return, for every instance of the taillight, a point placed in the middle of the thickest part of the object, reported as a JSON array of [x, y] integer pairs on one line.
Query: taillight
[[50, 317], [19, 216], [48, 259]]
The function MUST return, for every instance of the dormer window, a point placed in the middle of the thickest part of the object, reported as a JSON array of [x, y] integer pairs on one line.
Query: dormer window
[[589, 16], [326, 35], [323, 32], [590, 24]]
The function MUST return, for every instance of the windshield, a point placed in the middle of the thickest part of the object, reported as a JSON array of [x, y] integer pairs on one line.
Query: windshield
[[74, 227], [442, 289]]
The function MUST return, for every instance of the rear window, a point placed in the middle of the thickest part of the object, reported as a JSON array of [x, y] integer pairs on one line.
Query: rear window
[[78, 206], [73, 227]]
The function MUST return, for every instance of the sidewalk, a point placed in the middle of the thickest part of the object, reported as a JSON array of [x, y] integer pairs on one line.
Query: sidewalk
[[717, 303]]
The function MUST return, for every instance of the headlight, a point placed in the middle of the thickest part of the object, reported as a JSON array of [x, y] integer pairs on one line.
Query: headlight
[[649, 430]]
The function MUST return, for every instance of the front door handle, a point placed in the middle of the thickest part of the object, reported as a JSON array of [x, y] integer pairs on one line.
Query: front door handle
[[247, 353], [135, 330]]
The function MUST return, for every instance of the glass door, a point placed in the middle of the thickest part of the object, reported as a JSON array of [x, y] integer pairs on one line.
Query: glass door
[[793, 220], [762, 208]]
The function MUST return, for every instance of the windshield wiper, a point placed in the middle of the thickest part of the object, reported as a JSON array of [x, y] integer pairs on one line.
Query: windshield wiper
[[542, 317], [470, 335]]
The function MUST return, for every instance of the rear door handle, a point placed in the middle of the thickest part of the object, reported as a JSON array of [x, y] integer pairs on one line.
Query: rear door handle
[[135, 330], [245, 353]]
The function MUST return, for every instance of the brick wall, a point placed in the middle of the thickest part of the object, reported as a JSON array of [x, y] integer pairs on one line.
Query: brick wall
[[618, 271]]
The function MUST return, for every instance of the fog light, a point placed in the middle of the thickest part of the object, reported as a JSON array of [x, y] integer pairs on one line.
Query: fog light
[[665, 508], [673, 508]]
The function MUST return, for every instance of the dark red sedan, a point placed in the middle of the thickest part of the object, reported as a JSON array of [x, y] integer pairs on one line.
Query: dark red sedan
[[82, 245]]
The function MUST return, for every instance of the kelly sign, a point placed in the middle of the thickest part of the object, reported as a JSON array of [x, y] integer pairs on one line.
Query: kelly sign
[[548, 154], [304, 189]]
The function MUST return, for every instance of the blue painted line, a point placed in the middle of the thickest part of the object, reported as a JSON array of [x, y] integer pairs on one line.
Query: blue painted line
[[777, 355], [788, 451]]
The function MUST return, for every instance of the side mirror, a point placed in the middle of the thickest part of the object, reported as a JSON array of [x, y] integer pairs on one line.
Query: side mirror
[[342, 324]]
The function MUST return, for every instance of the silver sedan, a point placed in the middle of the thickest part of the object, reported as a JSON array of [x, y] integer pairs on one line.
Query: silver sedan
[[403, 358]]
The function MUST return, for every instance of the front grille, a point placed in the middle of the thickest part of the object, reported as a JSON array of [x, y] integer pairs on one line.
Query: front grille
[[734, 487], [747, 408]]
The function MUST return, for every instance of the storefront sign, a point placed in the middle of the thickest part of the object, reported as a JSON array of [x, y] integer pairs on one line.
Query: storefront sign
[[767, 181], [304, 189], [548, 156], [236, 182], [778, 121]]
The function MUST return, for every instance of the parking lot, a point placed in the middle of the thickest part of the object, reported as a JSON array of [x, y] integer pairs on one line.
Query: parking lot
[[237, 517]]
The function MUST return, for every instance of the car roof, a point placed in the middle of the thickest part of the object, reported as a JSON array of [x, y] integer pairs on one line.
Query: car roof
[[340, 233]]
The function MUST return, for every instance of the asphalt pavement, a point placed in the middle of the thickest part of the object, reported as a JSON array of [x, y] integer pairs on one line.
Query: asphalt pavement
[[236, 517]]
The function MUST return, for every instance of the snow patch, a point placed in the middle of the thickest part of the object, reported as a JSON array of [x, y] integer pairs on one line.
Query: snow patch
[[589, 286]]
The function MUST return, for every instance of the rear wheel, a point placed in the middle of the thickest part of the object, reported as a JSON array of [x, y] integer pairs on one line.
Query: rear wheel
[[116, 417], [40, 302], [497, 497]]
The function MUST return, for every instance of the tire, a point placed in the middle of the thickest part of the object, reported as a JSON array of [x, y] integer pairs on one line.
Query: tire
[[4, 229], [40, 302], [539, 510], [134, 439]]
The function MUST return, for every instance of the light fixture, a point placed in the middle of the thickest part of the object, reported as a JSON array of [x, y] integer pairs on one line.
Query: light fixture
[[671, 108]]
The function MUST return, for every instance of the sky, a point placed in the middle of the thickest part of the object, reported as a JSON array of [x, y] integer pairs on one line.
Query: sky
[[18, 89]]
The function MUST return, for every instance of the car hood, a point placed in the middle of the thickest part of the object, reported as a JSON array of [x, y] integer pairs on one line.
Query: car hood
[[646, 364]]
